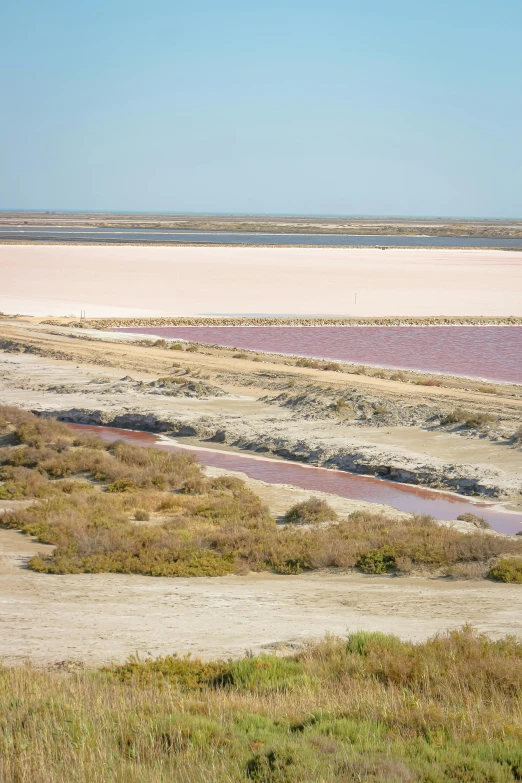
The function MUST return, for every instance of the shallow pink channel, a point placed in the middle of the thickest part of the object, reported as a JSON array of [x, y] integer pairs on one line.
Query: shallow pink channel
[[416, 500], [489, 352]]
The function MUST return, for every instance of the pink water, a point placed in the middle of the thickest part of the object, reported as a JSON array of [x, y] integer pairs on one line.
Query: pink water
[[490, 352], [404, 497]]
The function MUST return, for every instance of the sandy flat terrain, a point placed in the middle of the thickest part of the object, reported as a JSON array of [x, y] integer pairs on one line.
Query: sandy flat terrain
[[97, 618], [127, 281]]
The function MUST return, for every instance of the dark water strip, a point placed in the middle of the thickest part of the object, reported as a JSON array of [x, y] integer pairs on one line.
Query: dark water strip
[[178, 236], [403, 497]]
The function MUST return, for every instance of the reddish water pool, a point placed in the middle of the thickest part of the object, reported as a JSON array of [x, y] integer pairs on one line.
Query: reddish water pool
[[490, 352], [404, 497]]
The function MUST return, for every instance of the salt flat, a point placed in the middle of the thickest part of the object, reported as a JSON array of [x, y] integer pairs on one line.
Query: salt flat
[[177, 280]]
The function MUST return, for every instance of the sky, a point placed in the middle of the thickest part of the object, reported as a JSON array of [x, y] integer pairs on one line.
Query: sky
[[282, 107]]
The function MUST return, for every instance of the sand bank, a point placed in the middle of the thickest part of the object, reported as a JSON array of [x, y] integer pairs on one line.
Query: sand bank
[[143, 281]]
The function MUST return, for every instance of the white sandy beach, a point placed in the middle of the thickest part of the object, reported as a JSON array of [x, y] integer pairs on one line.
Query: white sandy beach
[[146, 280]]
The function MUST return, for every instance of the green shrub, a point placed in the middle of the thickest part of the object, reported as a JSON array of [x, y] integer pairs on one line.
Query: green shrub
[[183, 672], [140, 515], [263, 673], [508, 569], [278, 765], [364, 642], [378, 561], [122, 485]]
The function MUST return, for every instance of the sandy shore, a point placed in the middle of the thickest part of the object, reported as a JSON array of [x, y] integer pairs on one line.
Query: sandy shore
[[141, 281]]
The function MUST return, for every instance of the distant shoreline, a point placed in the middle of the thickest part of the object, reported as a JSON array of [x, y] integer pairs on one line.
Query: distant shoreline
[[222, 321], [160, 243]]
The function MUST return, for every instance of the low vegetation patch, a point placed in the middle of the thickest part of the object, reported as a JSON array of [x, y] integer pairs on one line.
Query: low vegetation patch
[[367, 708], [428, 382], [317, 364], [468, 419], [310, 512], [475, 520], [92, 500], [507, 569]]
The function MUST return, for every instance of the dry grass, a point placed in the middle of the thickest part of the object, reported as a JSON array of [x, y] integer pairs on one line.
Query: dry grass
[[428, 382], [317, 364], [468, 419], [369, 708]]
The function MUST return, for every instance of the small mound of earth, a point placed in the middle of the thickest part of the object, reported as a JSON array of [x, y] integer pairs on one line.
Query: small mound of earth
[[355, 408], [174, 386]]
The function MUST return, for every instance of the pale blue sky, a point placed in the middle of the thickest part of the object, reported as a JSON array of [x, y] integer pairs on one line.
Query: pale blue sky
[[331, 107]]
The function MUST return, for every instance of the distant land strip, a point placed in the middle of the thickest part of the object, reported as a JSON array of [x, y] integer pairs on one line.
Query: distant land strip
[[111, 323]]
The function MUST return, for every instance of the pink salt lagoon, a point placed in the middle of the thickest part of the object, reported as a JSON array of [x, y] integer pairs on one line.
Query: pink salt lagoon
[[491, 353]]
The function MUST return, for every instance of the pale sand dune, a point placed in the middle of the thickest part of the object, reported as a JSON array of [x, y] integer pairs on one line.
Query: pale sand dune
[[145, 280]]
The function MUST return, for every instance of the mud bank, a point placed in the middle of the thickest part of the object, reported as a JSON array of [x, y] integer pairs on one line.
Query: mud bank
[[362, 459]]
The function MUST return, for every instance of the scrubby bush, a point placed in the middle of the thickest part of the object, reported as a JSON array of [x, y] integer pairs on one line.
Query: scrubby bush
[[310, 512], [507, 569], [428, 382], [140, 515], [378, 561], [316, 364], [475, 520], [468, 419]]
